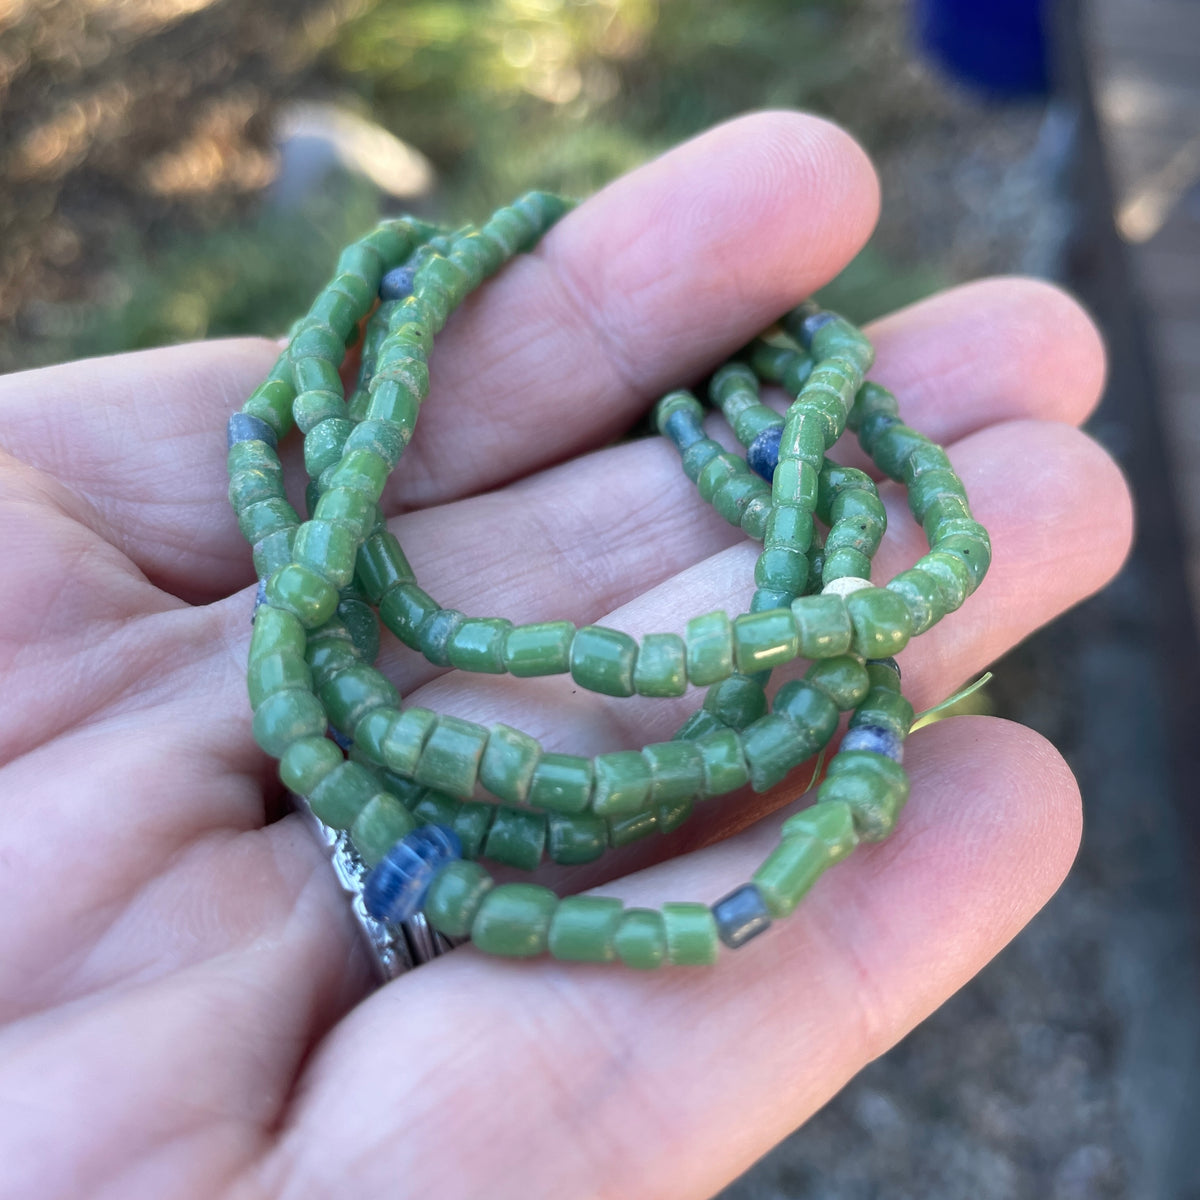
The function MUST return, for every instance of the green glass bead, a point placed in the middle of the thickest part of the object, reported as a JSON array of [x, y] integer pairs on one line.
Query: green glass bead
[[873, 786], [697, 456], [795, 483], [881, 622], [893, 445], [975, 551], [803, 439], [450, 760], [517, 837], [622, 783], [791, 526], [382, 822], [691, 932], [732, 497], [330, 651], [823, 626], [315, 405], [672, 813], [641, 939], [352, 693], [811, 711], [455, 896], [541, 649], [286, 717], [926, 489], [756, 516], [561, 783], [361, 624], [952, 576], [576, 838], [701, 722], [353, 510], [584, 929], [767, 599], [404, 609], [676, 770], [772, 746], [270, 673], [631, 827], [472, 823], [831, 824], [514, 920], [306, 762], [276, 632], [478, 645], [789, 871], [303, 593], [363, 471], [272, 402], [339, 798], [923, 596], [886, 708], [736, 701], [661, 667], [843, 679], [435, 634], [844, 562], [764, 640], [435, 808], [783, 569], [709, 648], [265, 517], [871, 400], [396, 403], [251, 487], [602, 660], [273, 552], [382, 565], [724, 764], [363, 262], [508, 763], [323, 444], [943, 508]]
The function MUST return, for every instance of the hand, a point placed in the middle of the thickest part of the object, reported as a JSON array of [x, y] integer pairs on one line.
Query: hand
[[186, 1008]]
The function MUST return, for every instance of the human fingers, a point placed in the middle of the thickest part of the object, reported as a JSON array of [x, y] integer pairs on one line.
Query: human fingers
[[598, 1081]]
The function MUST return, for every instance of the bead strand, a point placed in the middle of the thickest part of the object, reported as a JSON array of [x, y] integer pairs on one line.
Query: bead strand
[[404, 792]]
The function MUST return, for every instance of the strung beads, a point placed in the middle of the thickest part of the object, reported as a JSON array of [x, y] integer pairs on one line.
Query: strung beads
[[403, 780]]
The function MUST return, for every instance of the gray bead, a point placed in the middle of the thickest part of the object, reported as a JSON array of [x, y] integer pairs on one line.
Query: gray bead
[[876, 739], [740, 916], [243, 427]]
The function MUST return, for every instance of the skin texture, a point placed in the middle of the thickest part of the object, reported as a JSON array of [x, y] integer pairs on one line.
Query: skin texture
[[184, 1009]]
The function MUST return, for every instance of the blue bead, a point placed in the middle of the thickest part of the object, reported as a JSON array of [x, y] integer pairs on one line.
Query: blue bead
[[762, 455], [740, 916], [810, 325], [243, 427], [395, 890], [876, 739], [683, 429], [260, 598], [397, 283]]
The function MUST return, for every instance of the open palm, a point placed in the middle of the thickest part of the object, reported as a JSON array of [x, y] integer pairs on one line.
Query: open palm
[[184, 1007]]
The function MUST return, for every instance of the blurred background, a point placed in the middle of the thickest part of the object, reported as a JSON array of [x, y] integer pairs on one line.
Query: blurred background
[[176, 169]]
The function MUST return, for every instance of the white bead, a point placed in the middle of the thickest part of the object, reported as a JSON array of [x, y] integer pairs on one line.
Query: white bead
[[845, 586]]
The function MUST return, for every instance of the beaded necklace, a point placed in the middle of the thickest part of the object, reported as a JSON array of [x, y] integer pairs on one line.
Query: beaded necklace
[[395, 786]]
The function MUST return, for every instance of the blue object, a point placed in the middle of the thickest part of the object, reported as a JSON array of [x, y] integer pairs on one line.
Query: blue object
[[682, 429], [397, 283], [996, 46], [395, 890], [243, 427], [762, 455], [740, 916], [876, 739]]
